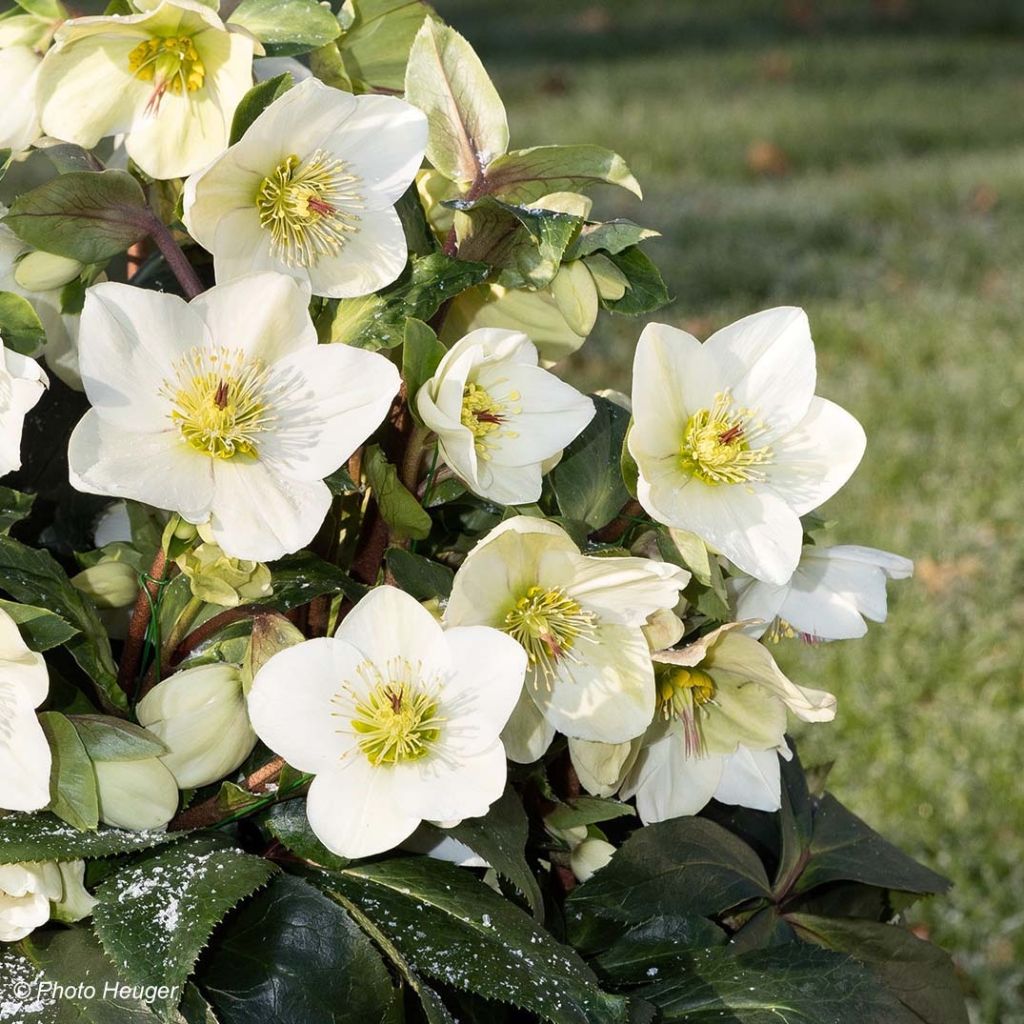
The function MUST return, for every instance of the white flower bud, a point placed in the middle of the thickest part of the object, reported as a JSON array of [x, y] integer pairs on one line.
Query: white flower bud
[[200, 714], [110, 584], [589, 857], [136, 795], [43, 271], [25, 893], [75, 901]]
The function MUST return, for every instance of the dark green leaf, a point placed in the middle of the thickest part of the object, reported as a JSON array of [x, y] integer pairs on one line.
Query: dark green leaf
[[588, 484], [658, 948], [419, 576], [20, 326], [298, 578], [72, 779], [44, 837], [341, 482], [72, 297], [418, 234], [114, 739], [291, 955], [14, 506], [646, 291], [255, 101], [526, 175], [67, 157], [85, 216], [287, 27], [35, 577], [421, 354], [289, 825], [155, 916], [587, 810], [612, 237], [397, 504], [40, 629]]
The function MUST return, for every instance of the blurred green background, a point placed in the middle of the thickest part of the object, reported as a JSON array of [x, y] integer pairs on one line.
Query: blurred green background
[[864, 160]]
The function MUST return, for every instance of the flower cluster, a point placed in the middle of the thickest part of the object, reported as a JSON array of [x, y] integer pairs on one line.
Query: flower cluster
[[364, 566]]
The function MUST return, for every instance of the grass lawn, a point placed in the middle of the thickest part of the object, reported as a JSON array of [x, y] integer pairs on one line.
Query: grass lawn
[[869, 166]]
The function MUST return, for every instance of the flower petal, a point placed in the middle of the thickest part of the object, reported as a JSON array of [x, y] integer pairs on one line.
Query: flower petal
[[528, 733], [668, 784], [371, 258], [625, 590], [751, 778]]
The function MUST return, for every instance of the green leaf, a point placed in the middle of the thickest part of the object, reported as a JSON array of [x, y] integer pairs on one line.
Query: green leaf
[[45, 837], [398, 506], [255, 101], [687, 550], [422, 577], [526, 175], [658, 947], [683, 866], [85, 216], [421, 354], [526, 245], [34, 577], [611, 237], [287, 27], [844, 848], [40, 628], [155, 916], [378, 321], [921, 975], [14, 506], [587, 810], [793, 983], [646, 291], [500, 838], [66, 157], [588, 484], [289, 825], [72, 779], [467, 123], [51, 10], [298, 578], [375, 44], [452, 927], [20, 326], [290, 954], [114, 739]]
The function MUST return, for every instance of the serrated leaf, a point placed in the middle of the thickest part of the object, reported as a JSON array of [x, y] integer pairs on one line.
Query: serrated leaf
[[422, 577], [526, 175], [612, 237], [657, 948], [86, 216], [40, 628], [646, 291], [73, 795], [921, 975], [114, 739], [45, 837], [587, 481], [792, 983], [292, 954], [452, 927], [14, 506], [467, 123], [20, 998], [398, 505], [288, 824], [20, 326], [287, 27], [34, 577], [376, 43], [155, 916], [255, 101], [298, 578]]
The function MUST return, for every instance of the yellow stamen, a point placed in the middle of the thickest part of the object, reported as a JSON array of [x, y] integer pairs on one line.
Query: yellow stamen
[[717, 445], [485, 417], [684, 695], [549, 624], [171, 63]]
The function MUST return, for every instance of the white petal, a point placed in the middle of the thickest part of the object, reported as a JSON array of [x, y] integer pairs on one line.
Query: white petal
[[450, 788], [158, 469], [24, 754], [895, 567], [601, 767], [504, 485], [371, 258], [297, 703], [625, 590], [751, 778], [528, 733], [668, 784], [19, 121], [24, 669], [743, 713], [215, 195]]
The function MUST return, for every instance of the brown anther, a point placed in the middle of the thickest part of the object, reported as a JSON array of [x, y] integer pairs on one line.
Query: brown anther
[[319, 206], [734, 433], [489, 417], [396, 700], [220, 398]]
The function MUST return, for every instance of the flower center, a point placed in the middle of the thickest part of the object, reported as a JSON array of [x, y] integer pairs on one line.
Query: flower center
[[171, 63], [548, 624], [717, 444], [484, 416], [307, 206], [397, 720], [684, 693], [220, 401]]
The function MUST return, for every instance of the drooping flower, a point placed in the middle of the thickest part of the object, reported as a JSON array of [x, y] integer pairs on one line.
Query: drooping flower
[[580, 620], [22, 384], [223, 409], [398, 719], [31, 892], [168, 78], [19, 75], [498, 416], [25, 758], [828, 597], [310, 189], [720, 729], [730, 440]]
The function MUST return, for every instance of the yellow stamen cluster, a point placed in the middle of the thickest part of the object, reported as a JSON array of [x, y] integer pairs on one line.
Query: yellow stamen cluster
[[307, 206], [220, 401], [684, 694], [485, 417], [397, 720], [778, 631], [548, 623], [717, 445], [172, 63]]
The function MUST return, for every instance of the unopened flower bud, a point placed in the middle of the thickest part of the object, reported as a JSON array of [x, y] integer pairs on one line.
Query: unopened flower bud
[[589, 857], [270, 633], [200, 715], [75, 901], [218, 579], [109, 583], [26, 890], [43, 271], [663, 629], [136, 795]]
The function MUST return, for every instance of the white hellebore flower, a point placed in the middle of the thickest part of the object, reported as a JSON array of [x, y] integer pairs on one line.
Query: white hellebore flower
[[31, 892], [310, 190], [498, 416], [398, 719], [22, 384], [580, 620], [224, 408], [730, 440], [721, 728], [19, 75], [24, 753], [829, 596], [200, 715], [168, 78]]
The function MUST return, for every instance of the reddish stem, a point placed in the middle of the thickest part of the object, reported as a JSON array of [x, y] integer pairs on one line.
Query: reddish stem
[[131, 656]]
